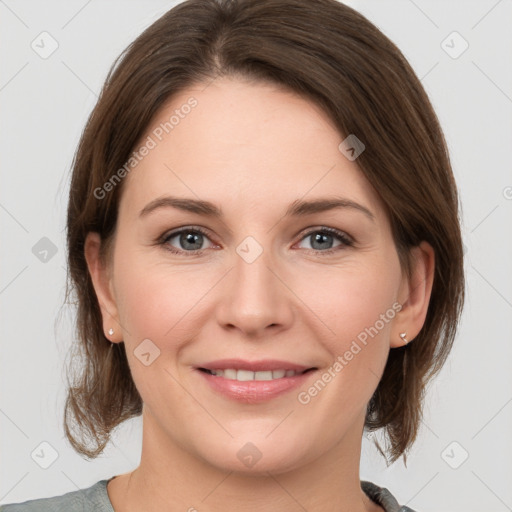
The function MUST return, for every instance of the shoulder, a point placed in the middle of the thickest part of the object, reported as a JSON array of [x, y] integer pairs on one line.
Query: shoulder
[[383, 497], [94, 498]]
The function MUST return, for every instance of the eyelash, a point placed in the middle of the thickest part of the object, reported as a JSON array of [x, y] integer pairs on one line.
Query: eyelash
[[342, 237]]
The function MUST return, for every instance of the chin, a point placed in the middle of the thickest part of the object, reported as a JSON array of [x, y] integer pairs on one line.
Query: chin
[[257, 457]]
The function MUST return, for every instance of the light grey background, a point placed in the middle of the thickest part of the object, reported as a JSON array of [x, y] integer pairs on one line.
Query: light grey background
[[44, 106]]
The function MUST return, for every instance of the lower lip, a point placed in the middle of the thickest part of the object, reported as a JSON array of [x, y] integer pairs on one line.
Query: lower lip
[[254, 391]]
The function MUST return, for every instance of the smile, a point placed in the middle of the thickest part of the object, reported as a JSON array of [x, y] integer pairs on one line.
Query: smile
[[247, 375]]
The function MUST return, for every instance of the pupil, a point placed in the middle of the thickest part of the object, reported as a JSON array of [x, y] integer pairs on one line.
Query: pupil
[[321, 238], [191, 238]]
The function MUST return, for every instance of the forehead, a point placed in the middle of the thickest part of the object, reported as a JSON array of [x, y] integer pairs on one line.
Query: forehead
[[232, 139]]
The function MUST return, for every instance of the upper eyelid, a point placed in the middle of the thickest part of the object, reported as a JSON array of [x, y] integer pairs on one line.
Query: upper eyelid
[[171, 234]]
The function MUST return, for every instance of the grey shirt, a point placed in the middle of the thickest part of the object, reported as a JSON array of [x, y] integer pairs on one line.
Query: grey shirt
[[95, 499]]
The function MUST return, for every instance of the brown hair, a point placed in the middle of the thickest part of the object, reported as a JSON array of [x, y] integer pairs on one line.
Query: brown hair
[[322, 50]]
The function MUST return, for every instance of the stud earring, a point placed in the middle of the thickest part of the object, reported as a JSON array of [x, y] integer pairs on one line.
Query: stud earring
[[403, 336], [110, 331]]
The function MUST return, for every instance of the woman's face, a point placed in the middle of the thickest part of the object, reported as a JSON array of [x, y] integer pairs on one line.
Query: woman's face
[[268, 278]]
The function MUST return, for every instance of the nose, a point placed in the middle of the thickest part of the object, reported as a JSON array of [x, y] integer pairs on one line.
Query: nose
[[256, 300]]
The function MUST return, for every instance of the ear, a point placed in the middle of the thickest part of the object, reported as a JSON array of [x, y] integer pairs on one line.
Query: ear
[[102, 282], [414, 295]]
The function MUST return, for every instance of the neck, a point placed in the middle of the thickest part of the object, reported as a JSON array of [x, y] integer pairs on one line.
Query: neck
[[170, 479]]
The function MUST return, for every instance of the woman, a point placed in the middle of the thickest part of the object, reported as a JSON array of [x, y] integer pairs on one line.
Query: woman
[[264, 246]]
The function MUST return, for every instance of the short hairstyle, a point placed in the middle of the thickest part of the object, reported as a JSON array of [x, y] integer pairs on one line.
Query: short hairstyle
[[331, 55]]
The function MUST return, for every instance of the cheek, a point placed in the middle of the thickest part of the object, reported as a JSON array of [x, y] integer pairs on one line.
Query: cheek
[[156, 300], [351, 299], [158, 318], [357, 308], [357, 305], [144, 300], [156, 304]]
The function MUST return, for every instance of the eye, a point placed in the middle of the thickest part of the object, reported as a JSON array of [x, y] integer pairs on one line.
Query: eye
[[189, 240], [321, 240]]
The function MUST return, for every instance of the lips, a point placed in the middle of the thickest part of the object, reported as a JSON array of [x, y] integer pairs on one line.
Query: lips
[[253, 382]]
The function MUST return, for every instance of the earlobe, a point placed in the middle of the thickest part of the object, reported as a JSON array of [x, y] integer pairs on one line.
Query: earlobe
[[415, 295], [103, 287]]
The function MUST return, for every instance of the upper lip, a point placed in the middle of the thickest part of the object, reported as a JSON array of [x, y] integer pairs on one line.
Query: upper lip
[[254, 366]]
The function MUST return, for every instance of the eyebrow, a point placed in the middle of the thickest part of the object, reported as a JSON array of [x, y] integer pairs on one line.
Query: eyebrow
[[298, 208]]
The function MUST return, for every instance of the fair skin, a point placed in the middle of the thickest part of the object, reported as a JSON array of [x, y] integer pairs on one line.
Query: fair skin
[[252, 150]]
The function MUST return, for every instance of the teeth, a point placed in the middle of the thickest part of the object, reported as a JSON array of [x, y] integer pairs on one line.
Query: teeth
[[244, 375]]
